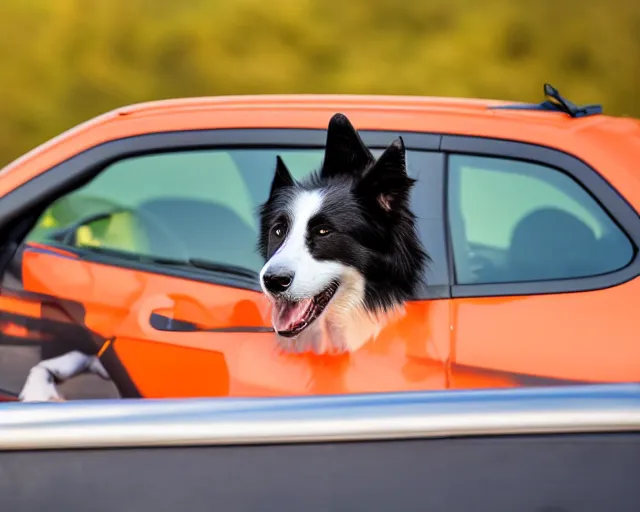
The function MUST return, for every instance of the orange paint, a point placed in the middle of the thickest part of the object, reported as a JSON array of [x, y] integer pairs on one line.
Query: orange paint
[[20, 307], [180, 364], [171, 371]]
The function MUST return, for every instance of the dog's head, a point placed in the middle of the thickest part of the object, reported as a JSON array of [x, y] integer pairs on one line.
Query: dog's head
[[342, 242]]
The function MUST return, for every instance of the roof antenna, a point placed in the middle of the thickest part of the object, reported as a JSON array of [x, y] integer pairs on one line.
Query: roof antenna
[[557, 102], [554, 103]]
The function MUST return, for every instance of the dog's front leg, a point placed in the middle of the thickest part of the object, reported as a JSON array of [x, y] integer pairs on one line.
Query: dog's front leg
[[40, 385]]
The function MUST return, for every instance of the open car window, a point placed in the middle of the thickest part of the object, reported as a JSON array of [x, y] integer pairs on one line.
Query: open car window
[[175, 206]]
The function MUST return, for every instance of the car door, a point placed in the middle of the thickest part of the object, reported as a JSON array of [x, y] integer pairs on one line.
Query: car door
[[544, 253], [151, 264]]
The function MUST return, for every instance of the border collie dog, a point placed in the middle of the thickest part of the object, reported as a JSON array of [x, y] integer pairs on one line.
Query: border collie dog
[[341, 247]]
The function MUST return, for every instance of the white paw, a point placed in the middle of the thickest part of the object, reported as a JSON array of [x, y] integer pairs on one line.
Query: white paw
[[39, 387]]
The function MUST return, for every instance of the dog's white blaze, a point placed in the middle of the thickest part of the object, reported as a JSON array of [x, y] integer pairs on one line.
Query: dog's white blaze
[[345, 325], [310, 275]]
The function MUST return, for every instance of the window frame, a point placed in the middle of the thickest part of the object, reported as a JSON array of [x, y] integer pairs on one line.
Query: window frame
[[39, 192], [608, 198]]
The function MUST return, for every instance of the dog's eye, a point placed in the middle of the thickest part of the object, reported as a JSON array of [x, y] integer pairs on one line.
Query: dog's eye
[[323, 231], [278, 230]]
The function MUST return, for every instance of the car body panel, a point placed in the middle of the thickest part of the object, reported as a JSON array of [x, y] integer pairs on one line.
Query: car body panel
[[118, 305], [571, 336]]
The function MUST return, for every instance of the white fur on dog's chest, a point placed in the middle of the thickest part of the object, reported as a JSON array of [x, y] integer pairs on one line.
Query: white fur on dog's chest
[[340, 330]]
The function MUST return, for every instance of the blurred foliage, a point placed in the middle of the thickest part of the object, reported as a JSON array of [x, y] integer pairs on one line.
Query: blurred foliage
[[65, 61]]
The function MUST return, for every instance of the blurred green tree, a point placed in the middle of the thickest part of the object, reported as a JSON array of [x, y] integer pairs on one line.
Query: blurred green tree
[[64, 61]]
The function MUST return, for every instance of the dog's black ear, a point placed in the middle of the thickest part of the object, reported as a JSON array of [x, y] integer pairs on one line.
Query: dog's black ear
[[282, 177], [387, 181], [345, 153]]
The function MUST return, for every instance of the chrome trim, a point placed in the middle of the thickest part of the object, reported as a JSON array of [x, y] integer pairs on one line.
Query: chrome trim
[[129, 423]]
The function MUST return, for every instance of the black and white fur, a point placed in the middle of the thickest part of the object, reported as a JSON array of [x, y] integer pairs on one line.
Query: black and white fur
[[341, 247]]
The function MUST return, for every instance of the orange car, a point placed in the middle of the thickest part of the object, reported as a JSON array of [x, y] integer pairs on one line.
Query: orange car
[[133, 237]]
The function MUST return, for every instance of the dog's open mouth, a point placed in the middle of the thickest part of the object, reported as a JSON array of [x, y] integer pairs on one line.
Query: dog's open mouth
[[290, 318]]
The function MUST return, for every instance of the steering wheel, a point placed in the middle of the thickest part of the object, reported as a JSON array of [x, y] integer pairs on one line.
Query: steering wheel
[[69, 235]]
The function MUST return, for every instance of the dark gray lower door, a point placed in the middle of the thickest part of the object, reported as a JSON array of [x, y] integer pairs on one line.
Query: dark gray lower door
[[559, 473]]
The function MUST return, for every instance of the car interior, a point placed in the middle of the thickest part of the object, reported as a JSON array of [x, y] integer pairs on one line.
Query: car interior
[[518, 222]]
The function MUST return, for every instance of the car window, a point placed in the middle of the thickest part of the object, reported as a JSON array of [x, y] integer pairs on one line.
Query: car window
[[182, 205], [513, 221], [176, 206]]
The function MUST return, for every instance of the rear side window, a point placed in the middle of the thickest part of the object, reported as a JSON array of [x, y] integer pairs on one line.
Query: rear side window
[[513, 221]]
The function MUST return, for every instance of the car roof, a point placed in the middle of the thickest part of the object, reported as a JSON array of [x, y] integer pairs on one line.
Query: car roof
[[314, 101], [385, 107], [447, 115]]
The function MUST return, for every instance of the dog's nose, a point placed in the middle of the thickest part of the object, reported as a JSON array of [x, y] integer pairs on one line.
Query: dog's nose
[[277, 283]]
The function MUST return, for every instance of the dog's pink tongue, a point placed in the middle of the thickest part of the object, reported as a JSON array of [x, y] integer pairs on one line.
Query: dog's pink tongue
[[289, 315]]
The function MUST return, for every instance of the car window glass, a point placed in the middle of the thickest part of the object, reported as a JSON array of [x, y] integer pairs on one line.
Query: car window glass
[[199, 204], [515, 221]]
